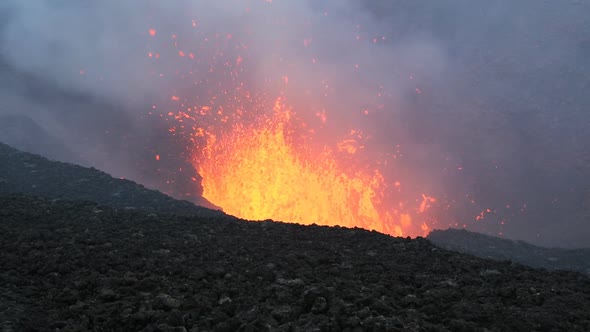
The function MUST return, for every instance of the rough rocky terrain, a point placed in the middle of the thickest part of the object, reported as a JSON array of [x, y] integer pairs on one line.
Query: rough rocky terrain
[[518, 251], [67, 266], [22, 172]]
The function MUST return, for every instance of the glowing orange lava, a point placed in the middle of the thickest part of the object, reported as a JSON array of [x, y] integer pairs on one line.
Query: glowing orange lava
[[259, 159], [257, 172]]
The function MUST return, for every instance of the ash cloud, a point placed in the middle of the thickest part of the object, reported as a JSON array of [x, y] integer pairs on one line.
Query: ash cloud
[[487, 102]]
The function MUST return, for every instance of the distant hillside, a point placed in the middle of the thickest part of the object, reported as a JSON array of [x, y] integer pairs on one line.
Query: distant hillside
[[25, 134], [26, 173], [518, 251]]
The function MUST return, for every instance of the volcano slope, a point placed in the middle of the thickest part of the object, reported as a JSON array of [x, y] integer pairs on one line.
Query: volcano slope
[[27, 173], [72, 266], [503, 249]]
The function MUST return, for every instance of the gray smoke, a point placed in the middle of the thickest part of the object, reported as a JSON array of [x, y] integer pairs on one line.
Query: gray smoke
[[486, 101]]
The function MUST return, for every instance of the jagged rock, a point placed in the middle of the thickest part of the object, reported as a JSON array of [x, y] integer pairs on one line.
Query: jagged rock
[[58, 263], [165, 302]]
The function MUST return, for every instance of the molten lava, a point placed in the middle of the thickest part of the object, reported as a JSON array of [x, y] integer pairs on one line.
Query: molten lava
[[260, 159], [257, 172]]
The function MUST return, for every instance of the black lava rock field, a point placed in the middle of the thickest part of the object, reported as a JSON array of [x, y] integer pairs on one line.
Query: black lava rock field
[[77, 266]]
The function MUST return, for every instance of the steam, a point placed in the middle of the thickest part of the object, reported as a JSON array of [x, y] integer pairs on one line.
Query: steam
[[485, 101]]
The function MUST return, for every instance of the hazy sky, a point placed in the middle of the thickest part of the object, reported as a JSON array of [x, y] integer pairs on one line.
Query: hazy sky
[[488, 100]]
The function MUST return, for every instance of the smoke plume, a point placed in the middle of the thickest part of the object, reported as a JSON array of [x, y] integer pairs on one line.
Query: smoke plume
[[484, 103]]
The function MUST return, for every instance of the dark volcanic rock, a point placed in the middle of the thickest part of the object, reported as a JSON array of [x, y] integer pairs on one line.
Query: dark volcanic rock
[[518, 251], [71, 266], [22, 172]]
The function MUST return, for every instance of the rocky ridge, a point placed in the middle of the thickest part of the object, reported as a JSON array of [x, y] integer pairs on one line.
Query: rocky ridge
[[22, 172], [518, 251]]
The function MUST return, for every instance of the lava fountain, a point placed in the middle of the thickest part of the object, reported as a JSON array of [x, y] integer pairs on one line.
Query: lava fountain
[[271, 167], [257, 172], [259, 158]]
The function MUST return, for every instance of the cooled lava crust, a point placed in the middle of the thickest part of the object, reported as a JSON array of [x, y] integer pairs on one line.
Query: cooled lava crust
[[70, 266]]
